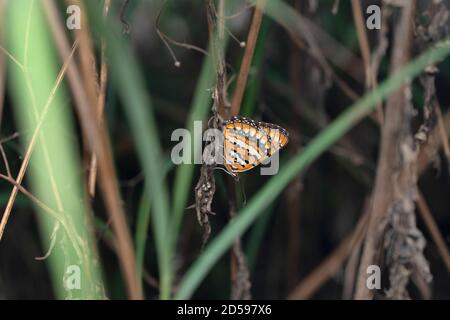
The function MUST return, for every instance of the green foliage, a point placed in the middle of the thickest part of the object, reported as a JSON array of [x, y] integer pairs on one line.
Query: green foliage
[[42, 112]]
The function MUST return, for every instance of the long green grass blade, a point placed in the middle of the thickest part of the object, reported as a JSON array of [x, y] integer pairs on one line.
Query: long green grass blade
[[143, 221], [42, 112]]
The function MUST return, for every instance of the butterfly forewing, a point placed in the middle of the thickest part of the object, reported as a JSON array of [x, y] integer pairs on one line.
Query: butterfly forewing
[[248, 143]]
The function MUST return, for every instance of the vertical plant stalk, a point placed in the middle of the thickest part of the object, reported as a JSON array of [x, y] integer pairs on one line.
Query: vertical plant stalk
[[371, 79], [206, 185], [240, 274], [100, 144], [391, 138], [100, 104], [33, 86], [216, 29], [246, 63], [88, 70]]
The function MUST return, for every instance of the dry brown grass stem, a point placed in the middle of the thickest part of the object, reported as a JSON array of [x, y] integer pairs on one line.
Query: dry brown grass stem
[[100, 104], [246, 63], [88, 70], [390, 141], [55, 214], [99, 143], [371, 79]]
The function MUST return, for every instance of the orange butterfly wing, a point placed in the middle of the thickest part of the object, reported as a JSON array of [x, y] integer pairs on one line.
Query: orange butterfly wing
[[248, 143]]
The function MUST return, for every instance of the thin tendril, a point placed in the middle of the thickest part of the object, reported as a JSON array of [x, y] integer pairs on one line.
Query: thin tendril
[[168, 40]]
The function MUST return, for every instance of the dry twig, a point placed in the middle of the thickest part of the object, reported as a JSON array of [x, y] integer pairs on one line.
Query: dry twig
[[99, 143], [246, 61]]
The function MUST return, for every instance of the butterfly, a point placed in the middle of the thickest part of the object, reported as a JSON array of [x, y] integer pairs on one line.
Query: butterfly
[[247, 143]]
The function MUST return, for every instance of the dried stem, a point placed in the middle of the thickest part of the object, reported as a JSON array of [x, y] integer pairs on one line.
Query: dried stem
[[371, 79], [241, 82], [100, 104], [54, 213], [99, 143], [396, 116]]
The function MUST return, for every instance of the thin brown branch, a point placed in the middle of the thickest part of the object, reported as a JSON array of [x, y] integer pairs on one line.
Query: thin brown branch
[[362, 36], [5, 161], [351, 271], [55, 214], [371, 81], [246, 60], [100, 105], [88, 70]]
